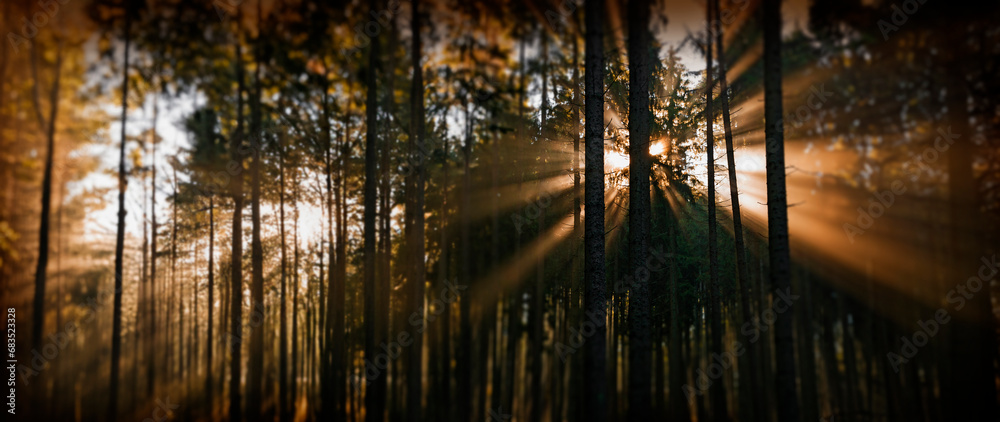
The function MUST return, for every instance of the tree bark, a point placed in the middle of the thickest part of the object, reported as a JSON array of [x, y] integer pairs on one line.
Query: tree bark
[[236, 283], [416, 243], [777, 212], [116, 322], [639, 309], [741, 258], [255, 369], [594, 381], [375, 294]]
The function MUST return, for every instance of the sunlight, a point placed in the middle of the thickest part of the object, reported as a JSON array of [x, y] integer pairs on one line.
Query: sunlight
[[614, 161]]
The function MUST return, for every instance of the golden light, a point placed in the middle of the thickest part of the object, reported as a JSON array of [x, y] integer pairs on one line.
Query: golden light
[[657, 148], [614, 161]]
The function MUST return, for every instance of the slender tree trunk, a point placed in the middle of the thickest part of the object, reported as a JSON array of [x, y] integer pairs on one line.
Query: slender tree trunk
[[236, 284], [741, 259], [176, 289], [807, 356], [255, 370], [375, 295], [576, 284], [594, 381], [714, 302], [38, 307], [295, 291], [464, 358], [639, 310], [444, 361], [151, 326], [417, 279], [210, 338], [777, 212], [538, 294], [283, 405], [329, 367], [339, 330], [116, 322]]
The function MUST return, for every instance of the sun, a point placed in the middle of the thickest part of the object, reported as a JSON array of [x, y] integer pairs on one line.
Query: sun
[[615, 161]]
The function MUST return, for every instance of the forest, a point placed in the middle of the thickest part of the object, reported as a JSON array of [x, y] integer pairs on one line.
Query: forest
[[500, 210]]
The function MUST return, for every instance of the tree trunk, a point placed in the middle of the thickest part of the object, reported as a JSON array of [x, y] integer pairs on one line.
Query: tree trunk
[[293, 391], [210, 338], [116, 322], [464, 361], [416, 242], [236, 283], [594, 381], [743, 273], [255, 370], [777, 212], [283, 405], [639, 312], [538, 294], [375, 294], [714, 302]]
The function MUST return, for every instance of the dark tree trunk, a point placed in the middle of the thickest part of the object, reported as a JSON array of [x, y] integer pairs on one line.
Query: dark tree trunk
[[538, 294], [743, 273], [176, 289], [283, 405], [777, 212], [293, 391], [116, 322], [339, 328], [464, 358], [236, 257], [594, 381], [151, 327], [444, 348], [416, 241], [210, 338], [576, 283], [639, 312], [255, 369], [375, 294], [714, 303]]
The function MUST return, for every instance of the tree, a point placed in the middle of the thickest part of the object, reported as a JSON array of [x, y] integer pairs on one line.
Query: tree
[[594, 396], [375, 294], [236, 272], [743, 276], [416, 241], [116, 322], [255, 370], [777, 212], [717, 394], [639, 119]]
